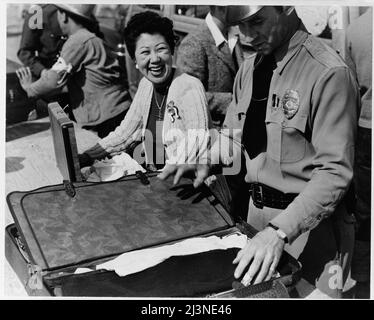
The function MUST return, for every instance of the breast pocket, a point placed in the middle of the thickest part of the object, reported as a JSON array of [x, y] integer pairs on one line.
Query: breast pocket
[[286, 140]]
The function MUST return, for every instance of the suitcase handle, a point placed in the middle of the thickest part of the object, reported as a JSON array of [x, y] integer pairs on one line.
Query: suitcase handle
[[69, 188], [142, 177]]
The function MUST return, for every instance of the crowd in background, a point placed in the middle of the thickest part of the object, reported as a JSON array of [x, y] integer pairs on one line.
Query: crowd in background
[[213, 84]]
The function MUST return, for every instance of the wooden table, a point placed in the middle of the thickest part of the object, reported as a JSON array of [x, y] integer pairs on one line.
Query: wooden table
[[29, 164]]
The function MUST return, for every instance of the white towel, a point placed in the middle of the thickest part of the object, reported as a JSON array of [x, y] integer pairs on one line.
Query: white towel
[[112, 169], [135, 261]]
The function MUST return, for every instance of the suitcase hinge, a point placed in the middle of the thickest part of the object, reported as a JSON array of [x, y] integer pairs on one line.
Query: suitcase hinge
[[143, 177], [69, 188], [35, 281]]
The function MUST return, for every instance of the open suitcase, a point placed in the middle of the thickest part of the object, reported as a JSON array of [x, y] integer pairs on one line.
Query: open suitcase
[[74, 225]]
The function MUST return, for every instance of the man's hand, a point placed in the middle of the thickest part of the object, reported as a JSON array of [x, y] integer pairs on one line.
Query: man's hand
[[25, 77], [201, 172], [262, 253]]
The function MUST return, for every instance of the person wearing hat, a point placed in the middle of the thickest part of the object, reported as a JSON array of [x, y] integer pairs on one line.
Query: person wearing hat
[[300, 173], [40, 47], [99, 98]]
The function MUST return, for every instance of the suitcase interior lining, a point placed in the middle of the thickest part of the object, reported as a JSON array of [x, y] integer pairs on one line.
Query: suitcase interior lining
[[194, 275], [116, 217]]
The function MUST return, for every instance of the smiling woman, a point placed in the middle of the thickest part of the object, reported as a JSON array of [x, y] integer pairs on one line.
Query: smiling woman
[[154, 58], [168, 106]]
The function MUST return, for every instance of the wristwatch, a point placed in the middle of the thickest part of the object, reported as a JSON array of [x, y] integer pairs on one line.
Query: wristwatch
[[281, 234]]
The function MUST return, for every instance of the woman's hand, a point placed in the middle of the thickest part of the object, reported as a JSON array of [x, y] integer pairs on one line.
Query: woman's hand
[[85, 160], [25, 77], [201, 172]]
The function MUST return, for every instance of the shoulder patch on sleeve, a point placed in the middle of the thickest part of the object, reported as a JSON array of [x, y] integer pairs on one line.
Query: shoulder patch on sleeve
[[61, 65], [62, 69]]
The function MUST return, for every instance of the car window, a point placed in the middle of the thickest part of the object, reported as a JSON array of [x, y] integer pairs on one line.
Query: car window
[[150, 6], [192, 11]]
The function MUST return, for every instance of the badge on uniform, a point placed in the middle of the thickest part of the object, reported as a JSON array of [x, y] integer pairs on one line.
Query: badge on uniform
[[290, 103]]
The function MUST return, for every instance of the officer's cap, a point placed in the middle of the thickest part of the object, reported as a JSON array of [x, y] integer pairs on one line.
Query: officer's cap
[[85, 11], [236, 14]]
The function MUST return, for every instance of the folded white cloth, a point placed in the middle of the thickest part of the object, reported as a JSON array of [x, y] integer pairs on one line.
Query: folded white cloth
[[135, 261], [83, 270], [112, 169]]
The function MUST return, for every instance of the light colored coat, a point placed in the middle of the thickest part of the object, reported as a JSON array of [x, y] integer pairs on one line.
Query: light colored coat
[[187, 94], [92, 75]]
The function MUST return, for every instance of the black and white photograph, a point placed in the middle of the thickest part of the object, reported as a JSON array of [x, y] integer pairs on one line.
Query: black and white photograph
[[213, 151]]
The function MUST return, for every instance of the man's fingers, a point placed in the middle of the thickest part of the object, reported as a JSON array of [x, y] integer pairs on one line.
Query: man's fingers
[[22, 72], [253, 269], [28, 71], [272, 268], [238, 257], [245, 259], [264, 268], [167, 171]]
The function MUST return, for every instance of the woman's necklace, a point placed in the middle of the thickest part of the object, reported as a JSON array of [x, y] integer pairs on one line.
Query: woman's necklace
[[160, 106]]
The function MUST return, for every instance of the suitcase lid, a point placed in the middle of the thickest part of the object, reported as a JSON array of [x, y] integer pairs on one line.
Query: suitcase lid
[[64, 143], [107, 219]]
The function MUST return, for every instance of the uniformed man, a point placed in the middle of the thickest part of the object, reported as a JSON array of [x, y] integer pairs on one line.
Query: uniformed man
[[99, 98], [41, 44], [299, 175]]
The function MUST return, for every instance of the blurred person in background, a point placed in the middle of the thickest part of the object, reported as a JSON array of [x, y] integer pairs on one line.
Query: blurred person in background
[[359, 37], [213, 54], [40, 45], [98, 95]]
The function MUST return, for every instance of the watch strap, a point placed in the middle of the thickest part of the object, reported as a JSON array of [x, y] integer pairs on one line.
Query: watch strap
[[281, 234]]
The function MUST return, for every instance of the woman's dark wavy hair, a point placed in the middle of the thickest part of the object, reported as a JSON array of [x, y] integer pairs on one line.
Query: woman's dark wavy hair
[[151, 23]]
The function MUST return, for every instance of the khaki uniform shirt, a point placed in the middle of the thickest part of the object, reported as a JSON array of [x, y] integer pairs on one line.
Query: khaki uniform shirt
[[311, 125], [93, 76]]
